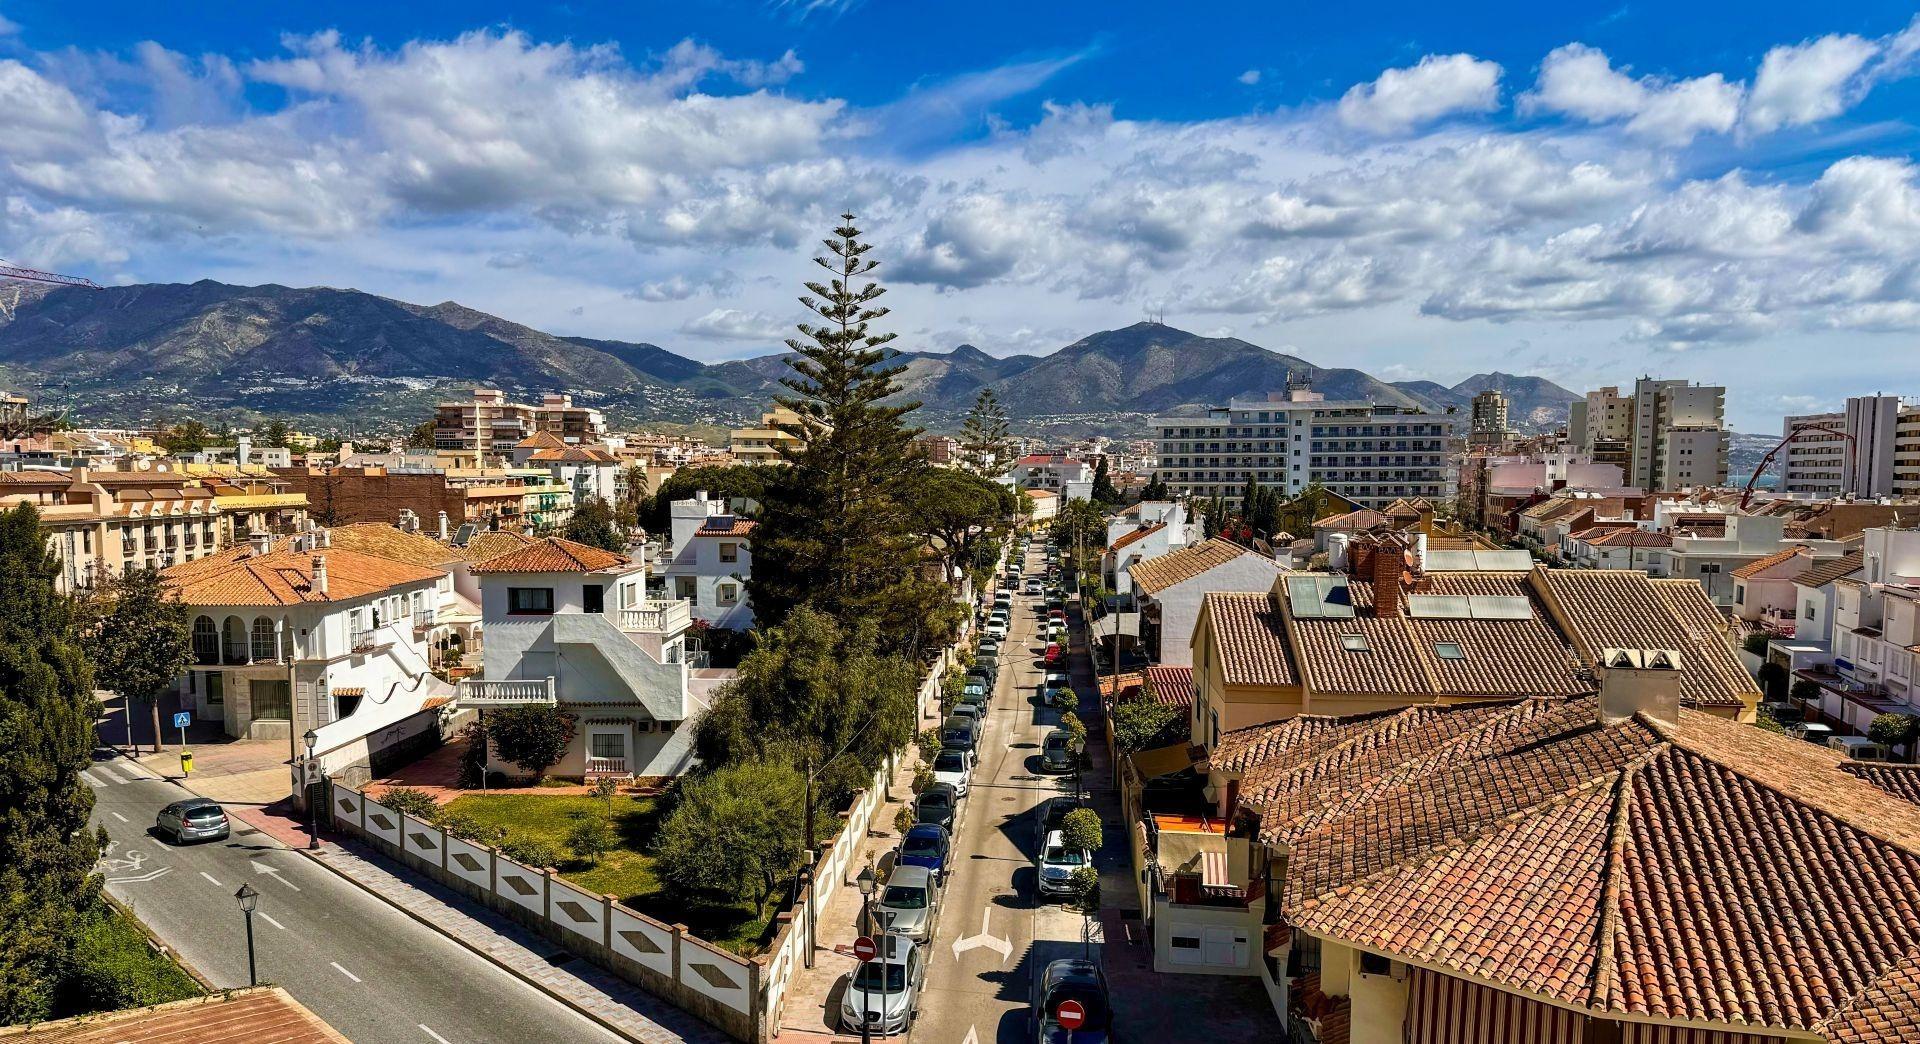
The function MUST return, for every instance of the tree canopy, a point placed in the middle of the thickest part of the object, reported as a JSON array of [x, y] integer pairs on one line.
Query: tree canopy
[[139, 637], [593, 523], [985, 442], [734, 831]]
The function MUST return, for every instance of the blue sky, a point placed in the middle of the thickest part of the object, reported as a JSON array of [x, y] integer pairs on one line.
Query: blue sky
[[1714, 191]]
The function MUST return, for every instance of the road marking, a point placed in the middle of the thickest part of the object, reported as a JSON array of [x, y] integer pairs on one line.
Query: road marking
[[343, 971], [119, 817], [107, 774], [984, 939], [269, 919], [143, 877], [972, 1037], [92, 780], [210, 877], [260, 867], [428, 1030]]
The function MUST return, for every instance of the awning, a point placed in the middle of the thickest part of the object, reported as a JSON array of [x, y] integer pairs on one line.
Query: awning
[[1213, 870], [1162, 761]]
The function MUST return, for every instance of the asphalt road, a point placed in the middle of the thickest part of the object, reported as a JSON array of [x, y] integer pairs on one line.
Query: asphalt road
[[372, 972], [993, 935]]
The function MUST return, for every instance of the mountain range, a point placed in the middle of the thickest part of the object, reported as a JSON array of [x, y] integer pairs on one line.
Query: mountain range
[[127, 354]]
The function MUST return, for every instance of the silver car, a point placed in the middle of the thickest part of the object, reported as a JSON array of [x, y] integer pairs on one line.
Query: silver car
[[195, 819], [909, 903], [884, 992]]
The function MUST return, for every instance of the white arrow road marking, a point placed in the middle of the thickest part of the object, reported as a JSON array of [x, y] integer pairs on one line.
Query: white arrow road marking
[[260, 867], [343, 971], [972, 1037], [269, 919], [991, 942], [428, 1030], [150, 875], [210, 877]]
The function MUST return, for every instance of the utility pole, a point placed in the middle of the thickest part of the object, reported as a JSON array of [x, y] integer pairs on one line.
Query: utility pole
[[812, 860]]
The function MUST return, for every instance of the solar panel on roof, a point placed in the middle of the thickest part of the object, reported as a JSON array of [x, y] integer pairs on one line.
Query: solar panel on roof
[[1319, 598], [1439, 607], [1500, 607], [465, 534], [1448, 561], [1503, 561]]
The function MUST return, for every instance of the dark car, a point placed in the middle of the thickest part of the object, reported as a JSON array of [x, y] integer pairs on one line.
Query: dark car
[[1077, 979], [1051, 815], [959, 732], [937, 805], [1056, 751], [195, 819], [926, 844]]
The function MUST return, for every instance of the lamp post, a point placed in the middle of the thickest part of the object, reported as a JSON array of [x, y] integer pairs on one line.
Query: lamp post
[[248, 899], [867, 883], [306, 784], [1077, 745]]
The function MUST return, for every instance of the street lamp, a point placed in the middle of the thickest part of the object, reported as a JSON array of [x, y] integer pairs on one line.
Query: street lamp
[[868, 883], [248, 899], [1077, 745], [306, 784]]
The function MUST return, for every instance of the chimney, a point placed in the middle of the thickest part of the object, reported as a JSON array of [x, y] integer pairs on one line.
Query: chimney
[[443, 525], [320, 575], [260, 542], [1389, 563], [1639, 681]]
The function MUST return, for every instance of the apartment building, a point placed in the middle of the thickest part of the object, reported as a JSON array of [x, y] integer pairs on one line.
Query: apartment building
[[1873, 451], [764, 444], [529, 498], [487, 423], [1489, 421], [1371, 454], [1061, 473], [1600, 427], [101, 523], [711, 561], [1679, 435], [1169, 589]]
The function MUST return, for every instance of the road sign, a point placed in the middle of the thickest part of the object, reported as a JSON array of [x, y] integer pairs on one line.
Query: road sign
[[1070, 1015], [182, 720], [865, 948]]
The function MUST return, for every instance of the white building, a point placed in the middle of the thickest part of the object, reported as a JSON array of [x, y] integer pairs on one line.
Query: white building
[[1171, 586], [1874, 451], [1070, 477], [1875, 634], [1679, 435], [571, 626], [1712, 558], [711, 561], [1372, 454], [295, 634]]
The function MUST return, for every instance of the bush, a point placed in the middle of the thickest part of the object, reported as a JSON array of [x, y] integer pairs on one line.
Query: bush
[[111, 966], [1805, 690], [473, 762], [1755, 643], [1081, 829], [734, 832], [535, 738], [929, 744], [463, 825], [1893, 729], [590, 839], [903, 820], [1085, 895], [416, 803], [922, 778], [531, 851], [1145, 725], [1075, 728]]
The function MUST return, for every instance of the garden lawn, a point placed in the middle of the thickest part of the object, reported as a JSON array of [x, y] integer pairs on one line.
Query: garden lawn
[[626, 871]]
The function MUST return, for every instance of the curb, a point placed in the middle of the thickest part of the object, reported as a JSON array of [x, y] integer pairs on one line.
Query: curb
[[489, 958]]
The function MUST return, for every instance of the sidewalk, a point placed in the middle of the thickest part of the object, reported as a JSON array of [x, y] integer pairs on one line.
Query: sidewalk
[[811, 1010], [594, 992]]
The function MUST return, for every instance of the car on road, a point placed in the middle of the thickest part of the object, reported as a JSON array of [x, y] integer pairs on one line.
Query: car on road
[[988, 649], [884, 993], [1048, 818], [937, 805], [952, 768], [976, 711], [1056, 751], [927, 845], [1056, 632], [194, 819], [908, 902], [997, 625], [1053, 653], [1033, 585], [1079, 980], [1058, 861]]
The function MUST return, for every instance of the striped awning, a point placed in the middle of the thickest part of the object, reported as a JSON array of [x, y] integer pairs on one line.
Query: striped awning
[[1213, 870]]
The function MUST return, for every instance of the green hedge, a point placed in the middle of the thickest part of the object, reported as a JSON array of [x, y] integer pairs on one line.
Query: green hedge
[[112, 967]]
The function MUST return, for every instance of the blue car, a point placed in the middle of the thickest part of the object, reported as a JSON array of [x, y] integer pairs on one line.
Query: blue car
[[926, 845]]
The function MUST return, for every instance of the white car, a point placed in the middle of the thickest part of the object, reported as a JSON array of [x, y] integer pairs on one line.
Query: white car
[[997, 626], [1033, 585], [883, 992], [1057, 864], [951, 767]]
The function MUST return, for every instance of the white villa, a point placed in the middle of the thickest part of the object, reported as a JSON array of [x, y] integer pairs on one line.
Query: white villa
[[711, 561]]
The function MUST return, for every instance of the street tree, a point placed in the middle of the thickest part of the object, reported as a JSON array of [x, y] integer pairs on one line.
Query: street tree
[[631, 509], [593, 523], [734, 831], [985, 442], [1142, 724], [957, 511], [140, 639], [47, 711], [1081, 829], [833, 527]]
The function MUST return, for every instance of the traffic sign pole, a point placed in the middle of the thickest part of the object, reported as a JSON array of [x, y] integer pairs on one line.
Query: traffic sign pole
[[180, 720]]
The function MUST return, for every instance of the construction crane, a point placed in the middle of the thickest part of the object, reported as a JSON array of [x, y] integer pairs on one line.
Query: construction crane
[[1811, 427], [15, 275]]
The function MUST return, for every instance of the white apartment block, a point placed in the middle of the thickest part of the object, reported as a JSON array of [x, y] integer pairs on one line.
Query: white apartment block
[[489, 424], [1876, 633], [1679, 435], [1067, 475], [1880, 458], [711, 561], [1370, 453]]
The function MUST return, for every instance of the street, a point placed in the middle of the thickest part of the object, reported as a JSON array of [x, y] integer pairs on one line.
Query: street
[[994, 936], [369, 970]]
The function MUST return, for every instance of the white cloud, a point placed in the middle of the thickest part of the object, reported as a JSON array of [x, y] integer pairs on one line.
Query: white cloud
[[1808, 82], [1440, 85], [736, 324], [680, 287], [8, 27], [1580, 81], [1250, 77]]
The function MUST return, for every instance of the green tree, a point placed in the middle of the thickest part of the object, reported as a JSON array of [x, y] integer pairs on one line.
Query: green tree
[[47, 711], [593, 523], [1156, 489], [734, 833], [140, 639], [1146, 725], [420, 436], [985, 444], [1895, 730], [1081, 829], [1103, 489], [733, 482], [274, 434], [833, 527], [188, 436], [1773, 680], [957, 511], [534, 738], [632, 506], [590, 839]]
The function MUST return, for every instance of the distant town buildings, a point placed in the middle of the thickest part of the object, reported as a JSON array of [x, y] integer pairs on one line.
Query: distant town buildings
[[762, 444], [1068, 476], [1488, 425], [1874, 450], [489, 424], [710, 561], [1669, 435]]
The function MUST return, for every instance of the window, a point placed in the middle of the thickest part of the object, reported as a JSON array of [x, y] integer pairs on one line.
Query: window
[[1449, 651], [1355, 643], [729, 594], [272, 700], [206, 640], [530, 600], [593, 598], [729, 552], [608, 745]]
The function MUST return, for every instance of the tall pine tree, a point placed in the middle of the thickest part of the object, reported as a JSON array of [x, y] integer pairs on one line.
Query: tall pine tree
[[1103, 488], [833, 526], [46, 737], [984, 437]]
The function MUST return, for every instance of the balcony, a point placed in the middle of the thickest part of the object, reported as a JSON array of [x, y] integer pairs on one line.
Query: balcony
[[658, 617], [598, 768], [369, 639], [511, 692], [425, 619]]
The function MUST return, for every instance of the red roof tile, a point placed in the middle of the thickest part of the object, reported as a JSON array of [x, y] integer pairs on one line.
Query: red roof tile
[[1169, 686], [553, 555], [1137, 535], [237, 576], [1248, 632]]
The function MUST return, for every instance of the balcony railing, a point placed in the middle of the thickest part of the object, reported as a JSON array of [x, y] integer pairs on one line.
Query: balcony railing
[[508, 692], [425, 618], [657, 617], [597, 767]]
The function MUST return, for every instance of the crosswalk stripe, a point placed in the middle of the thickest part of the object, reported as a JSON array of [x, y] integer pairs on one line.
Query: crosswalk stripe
[[92, 780], [107, 773]]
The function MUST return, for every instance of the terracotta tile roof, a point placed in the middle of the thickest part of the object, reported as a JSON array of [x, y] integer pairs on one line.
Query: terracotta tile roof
[[491, 543], [1248, 632], [1827, 572], [1625, 609], [1137, 535], [1169, 686], [1038, 494], [736, 527], [1623, 537], [1697, 870], [1762, 564], [1154, 575], [262, 1014], [541, 440], [553, 555], [1117, 689], [1888, 1012], [574, 455], [385, 541], [1354, 521], [285, 577], [1900, 780]]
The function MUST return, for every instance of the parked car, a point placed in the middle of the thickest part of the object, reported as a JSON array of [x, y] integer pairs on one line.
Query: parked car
[[997, 625], [975, 688], [195, 819], [884, 993], [1050, 815], [1076, 979], [908, 902], [987, 649], [1058, 861], [1033, 585], [1053, 653], [953, 768], [1056, 752], [927, 845], [975, 711], [972, 698], [1055, 691], [960, 733], [937, 804]]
